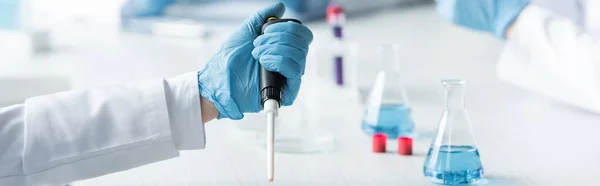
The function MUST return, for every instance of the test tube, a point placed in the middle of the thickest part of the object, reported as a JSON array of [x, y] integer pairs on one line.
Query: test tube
[[336, 18]]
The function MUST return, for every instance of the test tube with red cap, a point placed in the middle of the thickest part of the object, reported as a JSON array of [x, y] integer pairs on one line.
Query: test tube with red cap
[[337, 18]]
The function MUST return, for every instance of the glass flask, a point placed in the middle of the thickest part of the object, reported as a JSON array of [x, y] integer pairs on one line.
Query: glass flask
[[387, 109], [453, 157]]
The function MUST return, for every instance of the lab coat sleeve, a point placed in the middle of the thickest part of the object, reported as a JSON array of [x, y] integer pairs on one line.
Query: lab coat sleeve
[[80, 134], [552, 56]]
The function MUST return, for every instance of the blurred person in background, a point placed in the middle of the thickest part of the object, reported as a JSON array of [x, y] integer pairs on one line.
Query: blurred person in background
[[546, 50], [80, 134]]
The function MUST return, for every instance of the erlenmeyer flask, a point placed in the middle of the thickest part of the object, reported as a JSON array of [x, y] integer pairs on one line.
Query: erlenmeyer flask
[[387, 110], [453, 157]]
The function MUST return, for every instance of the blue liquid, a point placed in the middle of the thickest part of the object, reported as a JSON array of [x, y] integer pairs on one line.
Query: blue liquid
[[453, 165], [394, 120]]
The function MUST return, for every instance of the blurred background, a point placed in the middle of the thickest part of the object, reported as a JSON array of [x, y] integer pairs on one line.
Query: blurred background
[[54, 45], [48, 46]]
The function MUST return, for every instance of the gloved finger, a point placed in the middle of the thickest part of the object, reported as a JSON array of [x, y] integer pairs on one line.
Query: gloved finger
[[293, 28], [282, 39], [285, 66], [288, 54], [252, 26], [290, 91], [295, 54]]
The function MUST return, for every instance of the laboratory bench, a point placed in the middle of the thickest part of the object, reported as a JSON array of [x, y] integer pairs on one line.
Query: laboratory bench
[[523, 138]]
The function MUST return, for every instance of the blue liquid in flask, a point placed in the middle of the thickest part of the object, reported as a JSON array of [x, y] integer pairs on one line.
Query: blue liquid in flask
[[394, 120], [454, 165]]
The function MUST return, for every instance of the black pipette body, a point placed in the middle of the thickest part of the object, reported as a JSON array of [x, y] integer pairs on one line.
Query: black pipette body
[[271, 83]]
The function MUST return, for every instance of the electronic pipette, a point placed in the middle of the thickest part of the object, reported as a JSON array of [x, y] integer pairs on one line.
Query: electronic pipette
[[271, 84]]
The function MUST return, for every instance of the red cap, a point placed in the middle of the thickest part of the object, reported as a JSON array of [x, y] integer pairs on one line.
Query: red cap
[[333, 10], [405, 145], [379, 142]]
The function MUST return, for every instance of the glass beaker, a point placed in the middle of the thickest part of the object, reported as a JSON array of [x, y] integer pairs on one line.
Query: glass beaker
[[387, 110], [295, 129], [453, 157]]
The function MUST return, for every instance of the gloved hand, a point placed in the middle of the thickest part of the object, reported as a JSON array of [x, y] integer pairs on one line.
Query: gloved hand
[[494, 16], [230, 80]]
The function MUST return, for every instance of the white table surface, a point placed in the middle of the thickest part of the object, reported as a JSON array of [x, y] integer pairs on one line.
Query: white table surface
[[524, 139]]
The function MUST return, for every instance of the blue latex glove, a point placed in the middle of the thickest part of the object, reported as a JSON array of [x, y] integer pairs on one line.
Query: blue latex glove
[[231, 79], [493, 16]]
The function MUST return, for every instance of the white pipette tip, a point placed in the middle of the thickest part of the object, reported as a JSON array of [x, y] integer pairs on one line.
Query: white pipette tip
[[271, 109]]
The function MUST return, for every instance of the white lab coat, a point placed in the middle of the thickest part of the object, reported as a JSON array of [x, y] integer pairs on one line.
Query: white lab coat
[[79, 134], [550, 54]]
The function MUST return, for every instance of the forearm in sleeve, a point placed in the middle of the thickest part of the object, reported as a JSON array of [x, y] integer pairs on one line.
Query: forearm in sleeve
[[81, 134]]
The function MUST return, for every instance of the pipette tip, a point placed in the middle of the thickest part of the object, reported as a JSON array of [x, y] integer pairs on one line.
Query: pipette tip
[[271, 180]]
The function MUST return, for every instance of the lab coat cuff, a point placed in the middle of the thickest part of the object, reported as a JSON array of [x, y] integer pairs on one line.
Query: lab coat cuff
[[515, 60], [530, 15], [521, 37], [509, 18], [185, 112]]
